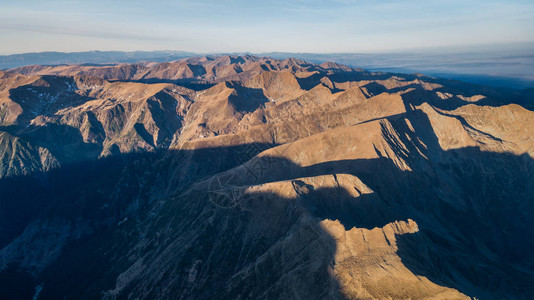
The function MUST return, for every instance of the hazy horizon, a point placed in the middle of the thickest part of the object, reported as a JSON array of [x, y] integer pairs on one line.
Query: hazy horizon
[[508, 65], [489, 47]]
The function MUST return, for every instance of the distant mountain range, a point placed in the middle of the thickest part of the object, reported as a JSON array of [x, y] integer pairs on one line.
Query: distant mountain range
[[247, 177], [505, 67], [89, 57]]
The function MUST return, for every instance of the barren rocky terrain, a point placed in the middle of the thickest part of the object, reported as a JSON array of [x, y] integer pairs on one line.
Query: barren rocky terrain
[[244, 177]]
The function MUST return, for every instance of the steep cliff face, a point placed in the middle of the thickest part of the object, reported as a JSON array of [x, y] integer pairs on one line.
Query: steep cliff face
[[278, 179]]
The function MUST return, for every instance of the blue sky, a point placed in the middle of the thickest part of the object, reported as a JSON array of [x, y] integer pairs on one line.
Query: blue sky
[[261, 26]]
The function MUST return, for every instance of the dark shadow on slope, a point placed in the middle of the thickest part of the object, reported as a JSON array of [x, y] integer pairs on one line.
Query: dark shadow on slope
[[308, 83], [495, 96], [197, 69], [143, 133], [364, 211], [454, 100], [162, 107], [72, 146], [375, 89], [220, 242], [190, 83], [246, 99], [418, 96], [43, 147], [472, 209], [24, 198], [216, 237], [46, 96], [101, 193]]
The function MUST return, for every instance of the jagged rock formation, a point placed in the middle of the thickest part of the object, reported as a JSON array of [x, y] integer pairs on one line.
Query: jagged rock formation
[[246, 177]]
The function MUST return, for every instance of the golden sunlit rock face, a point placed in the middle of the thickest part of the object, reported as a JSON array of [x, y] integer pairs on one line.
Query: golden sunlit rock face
[[240, 177]]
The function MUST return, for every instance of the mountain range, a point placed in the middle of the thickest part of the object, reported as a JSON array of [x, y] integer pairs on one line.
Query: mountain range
[[239, 177], [495, 65]]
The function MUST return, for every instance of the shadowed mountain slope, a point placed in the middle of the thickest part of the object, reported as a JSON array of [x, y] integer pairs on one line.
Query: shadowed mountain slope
[[282, 179]]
